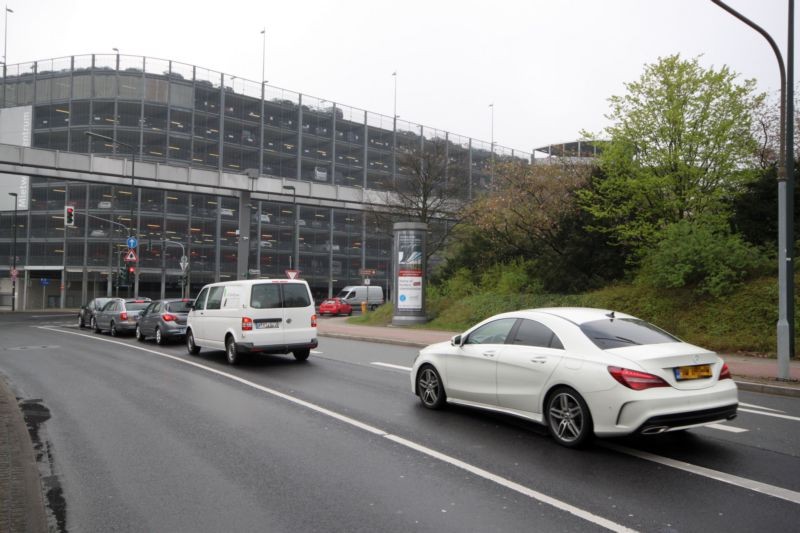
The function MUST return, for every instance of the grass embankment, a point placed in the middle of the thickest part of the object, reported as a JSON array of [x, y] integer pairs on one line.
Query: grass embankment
[[743, 321]]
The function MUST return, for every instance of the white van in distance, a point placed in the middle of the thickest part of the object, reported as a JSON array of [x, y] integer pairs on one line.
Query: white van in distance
[[253, 316], [355, 294]]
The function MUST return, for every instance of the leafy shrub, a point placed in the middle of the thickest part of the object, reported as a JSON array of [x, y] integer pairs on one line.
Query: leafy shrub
[[705, 257]]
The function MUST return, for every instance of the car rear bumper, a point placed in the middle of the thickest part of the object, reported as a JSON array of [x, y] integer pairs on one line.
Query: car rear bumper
[[662, 423], [249, 347]]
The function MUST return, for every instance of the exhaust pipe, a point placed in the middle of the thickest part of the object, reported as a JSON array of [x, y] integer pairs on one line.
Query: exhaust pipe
[[654, 430]]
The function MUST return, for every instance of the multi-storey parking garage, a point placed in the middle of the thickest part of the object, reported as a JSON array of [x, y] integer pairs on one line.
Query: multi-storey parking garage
[[182, 115]]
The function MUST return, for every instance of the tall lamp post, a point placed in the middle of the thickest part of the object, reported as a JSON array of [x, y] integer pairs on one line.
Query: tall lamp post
[[296, 239], [133, 171], [491, 172], [14, 257], [5, 35], [785, 326]]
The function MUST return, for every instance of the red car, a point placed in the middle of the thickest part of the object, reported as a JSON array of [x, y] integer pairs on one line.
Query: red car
[[335, 306]]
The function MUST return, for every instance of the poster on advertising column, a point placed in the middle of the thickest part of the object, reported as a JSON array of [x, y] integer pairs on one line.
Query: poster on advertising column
[[409, 270]]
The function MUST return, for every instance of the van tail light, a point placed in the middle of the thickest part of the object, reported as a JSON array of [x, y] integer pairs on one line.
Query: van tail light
[[725, 373], [247, 323], [123, 316], [313, 321], [633, 379], [168, 317]]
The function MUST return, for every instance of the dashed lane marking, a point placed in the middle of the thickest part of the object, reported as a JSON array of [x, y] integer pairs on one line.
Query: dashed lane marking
[[776, 415], [725, 427], [761, 407], [394, 367]]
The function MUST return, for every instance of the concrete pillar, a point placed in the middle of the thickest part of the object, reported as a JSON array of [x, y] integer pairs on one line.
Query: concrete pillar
[[243, 249]]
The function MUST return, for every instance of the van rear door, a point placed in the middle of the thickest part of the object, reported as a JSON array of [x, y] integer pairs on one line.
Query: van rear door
[[298, 310], [266, 310]]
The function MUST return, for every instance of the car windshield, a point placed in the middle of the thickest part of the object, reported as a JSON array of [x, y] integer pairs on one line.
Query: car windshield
[[136, 306], [622, 332], [178, 307]]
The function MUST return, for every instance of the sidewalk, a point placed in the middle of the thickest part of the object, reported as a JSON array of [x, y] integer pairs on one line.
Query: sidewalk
[[754, 374]]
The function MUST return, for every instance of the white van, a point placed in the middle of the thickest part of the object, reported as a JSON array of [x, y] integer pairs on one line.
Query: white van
[[253, 316], [355, 294]]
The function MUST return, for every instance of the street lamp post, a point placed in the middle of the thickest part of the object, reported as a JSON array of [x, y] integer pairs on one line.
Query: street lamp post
[[785, 326], [133, 170], [296, 239], [14, 257], [491, 171], [5, 36]]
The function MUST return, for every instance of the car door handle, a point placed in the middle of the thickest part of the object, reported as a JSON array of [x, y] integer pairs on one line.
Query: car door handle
[[488, 354], [542, 359]]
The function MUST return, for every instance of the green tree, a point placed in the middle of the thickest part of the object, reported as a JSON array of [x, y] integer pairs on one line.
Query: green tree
[[680, 147]]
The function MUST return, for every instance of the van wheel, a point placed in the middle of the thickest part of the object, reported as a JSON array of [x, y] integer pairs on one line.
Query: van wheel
[[231, 353], [301, 355], [373, 307], [190, 345]]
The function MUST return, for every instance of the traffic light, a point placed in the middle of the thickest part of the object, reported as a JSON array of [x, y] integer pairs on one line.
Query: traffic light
[[69, 216]]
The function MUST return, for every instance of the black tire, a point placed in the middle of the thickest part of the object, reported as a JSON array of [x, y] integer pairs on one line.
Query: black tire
[[568, 418], [231, 353], [302, 354], [113, 330], [160, 339], [373, 307], [138, 334], [350, 313], [81, 323], [94, 326], [430, 388], [190, 345]]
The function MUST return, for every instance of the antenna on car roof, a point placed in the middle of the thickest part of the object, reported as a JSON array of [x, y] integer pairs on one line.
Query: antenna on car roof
[[610, 315]]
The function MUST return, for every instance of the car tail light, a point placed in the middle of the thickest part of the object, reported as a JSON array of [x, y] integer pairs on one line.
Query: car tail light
[[633, 379], [123, 316], [313, 321], [168, 317], [247, 324], [725, 373]]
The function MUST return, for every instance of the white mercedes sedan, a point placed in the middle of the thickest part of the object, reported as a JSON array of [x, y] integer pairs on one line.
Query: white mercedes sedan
[[579, 371]]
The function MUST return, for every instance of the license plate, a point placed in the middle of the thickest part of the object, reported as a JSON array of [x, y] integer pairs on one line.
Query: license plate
[[692, 372], [267, 325]]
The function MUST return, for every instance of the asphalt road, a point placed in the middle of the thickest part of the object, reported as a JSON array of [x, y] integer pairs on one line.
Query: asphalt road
[[148, 438]]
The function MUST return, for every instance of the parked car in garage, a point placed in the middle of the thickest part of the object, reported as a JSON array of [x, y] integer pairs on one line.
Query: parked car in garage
[[163, 320], [87, 312], [335, 306], [120, 315], [580, 372]]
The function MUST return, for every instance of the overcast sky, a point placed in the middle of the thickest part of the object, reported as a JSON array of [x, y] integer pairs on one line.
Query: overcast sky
[[548, 66]]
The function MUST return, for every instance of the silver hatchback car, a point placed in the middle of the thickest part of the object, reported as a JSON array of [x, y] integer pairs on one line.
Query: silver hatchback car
[[163, 319], [120, 315]]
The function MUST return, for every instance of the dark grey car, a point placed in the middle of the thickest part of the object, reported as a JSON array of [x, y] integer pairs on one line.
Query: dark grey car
[[120, 315], [87, 312], [163, 319]]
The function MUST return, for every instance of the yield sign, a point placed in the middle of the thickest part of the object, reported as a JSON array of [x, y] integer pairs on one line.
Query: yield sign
[[131, 256], [292, 274]]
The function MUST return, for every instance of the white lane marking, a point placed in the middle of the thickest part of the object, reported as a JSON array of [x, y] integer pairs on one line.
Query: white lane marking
[[317, 352], [53, 316], [776, 415], [749, 484], [725, 427], [761, 407], [516, 487], [395, 367]]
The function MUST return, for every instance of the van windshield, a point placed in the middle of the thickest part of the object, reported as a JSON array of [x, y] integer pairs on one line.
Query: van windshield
[[343, 294]]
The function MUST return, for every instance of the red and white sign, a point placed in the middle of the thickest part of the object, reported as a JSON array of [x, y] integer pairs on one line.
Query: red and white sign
[[292, 274], [131, 256]]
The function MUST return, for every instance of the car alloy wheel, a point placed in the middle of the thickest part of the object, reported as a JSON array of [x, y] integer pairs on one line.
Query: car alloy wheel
[[430, 388], [139, 335], [113, 330], [568, 417], [93, 325], [159, 338]]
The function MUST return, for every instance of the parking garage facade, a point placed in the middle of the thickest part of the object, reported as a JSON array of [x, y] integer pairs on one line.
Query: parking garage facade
[[183, 115]]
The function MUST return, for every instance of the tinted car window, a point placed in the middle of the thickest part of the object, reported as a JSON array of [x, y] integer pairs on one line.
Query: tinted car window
[[136, 306], [532, 333], [178, 307], [621, 332], [215, 298], [200, 303], [151, 308], [265, 296], [492, 333], [295, 295]]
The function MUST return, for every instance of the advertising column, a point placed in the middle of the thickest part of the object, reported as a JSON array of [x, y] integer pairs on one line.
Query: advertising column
[[409, 267]]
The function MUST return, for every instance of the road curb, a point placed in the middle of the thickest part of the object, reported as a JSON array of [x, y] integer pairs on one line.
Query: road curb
[[749, 386], [363, 338]]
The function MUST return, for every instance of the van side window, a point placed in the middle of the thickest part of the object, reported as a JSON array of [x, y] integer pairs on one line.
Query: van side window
[[200, 302], [215, 298], [265, 296], [295, 295]]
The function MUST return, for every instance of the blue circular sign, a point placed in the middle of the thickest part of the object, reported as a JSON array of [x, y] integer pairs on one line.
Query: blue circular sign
[[402, 297], [132, 242]]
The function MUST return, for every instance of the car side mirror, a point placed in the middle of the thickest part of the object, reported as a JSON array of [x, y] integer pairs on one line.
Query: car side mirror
[[457, 341]]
